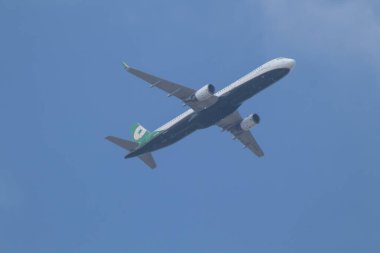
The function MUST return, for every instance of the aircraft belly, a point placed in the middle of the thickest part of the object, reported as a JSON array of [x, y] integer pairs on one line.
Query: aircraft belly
[[171, 135], [225, 105], [197, 120]]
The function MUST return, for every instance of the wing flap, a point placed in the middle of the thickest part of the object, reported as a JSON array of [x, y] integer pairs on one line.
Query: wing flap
[[250, 142]]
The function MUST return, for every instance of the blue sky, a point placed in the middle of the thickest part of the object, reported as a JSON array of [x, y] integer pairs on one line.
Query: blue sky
[[63, 188]]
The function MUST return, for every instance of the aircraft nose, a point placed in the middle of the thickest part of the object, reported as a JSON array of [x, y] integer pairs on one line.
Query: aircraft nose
[[290, 63]]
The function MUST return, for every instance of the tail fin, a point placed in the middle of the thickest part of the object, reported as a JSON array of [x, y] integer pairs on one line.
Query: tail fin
[[147, 158], [140, 134]]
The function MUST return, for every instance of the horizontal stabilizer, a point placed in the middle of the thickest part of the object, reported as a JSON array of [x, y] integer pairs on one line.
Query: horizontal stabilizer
[[147, 158], [128, 145]]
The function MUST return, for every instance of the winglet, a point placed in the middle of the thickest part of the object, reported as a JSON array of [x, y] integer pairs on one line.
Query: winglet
[[126, 66]]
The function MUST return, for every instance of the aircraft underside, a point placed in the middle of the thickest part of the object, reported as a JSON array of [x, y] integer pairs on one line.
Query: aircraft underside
[[206, 108], [225, 106]]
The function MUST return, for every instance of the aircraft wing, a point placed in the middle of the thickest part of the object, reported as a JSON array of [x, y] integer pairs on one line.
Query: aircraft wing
[[231, 124], [173, 89]]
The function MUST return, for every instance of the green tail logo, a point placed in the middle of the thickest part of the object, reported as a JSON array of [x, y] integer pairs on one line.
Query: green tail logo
[[141, 135]]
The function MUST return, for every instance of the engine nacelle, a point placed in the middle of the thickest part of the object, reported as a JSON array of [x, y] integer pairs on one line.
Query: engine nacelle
[[249, 122], [204, 93]]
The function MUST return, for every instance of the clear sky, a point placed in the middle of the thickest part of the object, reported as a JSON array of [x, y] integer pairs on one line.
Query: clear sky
[[64, 188]]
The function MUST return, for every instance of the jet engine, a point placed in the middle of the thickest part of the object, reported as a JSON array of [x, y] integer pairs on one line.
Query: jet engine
[[204, 93], [249, 122]]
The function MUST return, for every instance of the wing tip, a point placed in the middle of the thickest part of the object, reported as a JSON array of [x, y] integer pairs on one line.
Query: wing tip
[[126, 66]]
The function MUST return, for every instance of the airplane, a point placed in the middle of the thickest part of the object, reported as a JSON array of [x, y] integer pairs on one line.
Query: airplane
[[206, 108]]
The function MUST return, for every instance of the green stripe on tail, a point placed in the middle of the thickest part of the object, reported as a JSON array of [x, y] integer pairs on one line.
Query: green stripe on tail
[[141, 135]]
